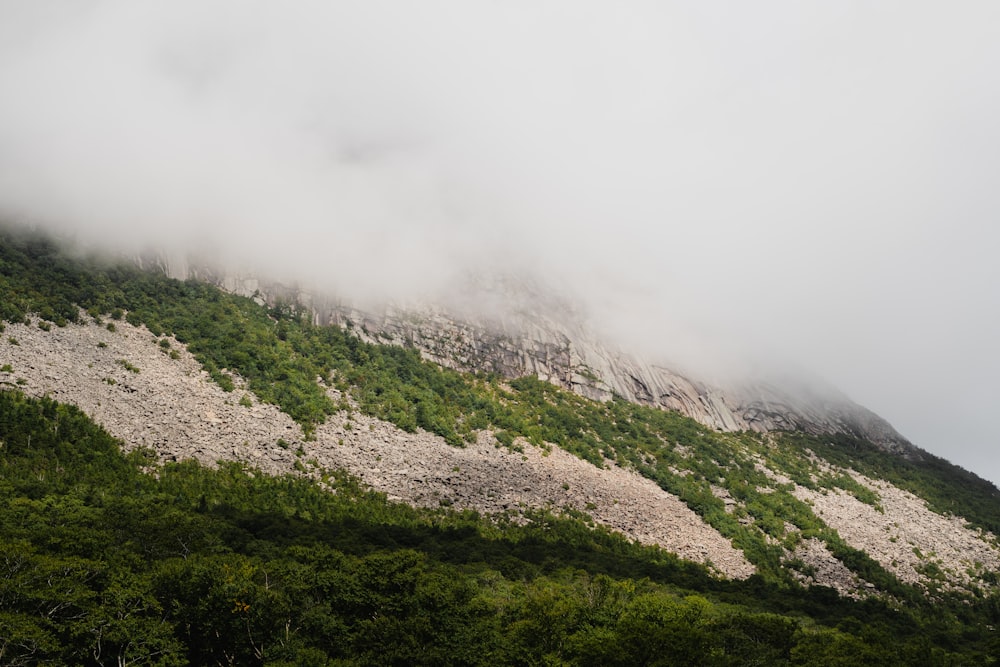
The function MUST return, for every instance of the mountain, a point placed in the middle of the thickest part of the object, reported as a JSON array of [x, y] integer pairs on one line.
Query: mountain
[[514, 327], [801, 505]]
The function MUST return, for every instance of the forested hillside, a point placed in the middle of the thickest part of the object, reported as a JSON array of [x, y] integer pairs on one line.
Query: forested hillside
[[112, 559], [111, 556]]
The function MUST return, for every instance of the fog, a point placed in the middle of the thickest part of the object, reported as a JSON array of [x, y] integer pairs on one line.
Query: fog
[[808, 184]]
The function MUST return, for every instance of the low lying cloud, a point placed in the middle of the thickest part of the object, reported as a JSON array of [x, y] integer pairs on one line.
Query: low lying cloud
[[813, 183]]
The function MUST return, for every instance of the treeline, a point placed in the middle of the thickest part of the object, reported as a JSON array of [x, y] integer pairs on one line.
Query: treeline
[[107, 558]]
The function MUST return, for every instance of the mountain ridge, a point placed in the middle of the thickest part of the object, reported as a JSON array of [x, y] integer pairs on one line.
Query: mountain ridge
[[527, 330]]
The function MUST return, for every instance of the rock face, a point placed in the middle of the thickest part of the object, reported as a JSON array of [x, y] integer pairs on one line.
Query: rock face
[[139, 393], [127, 382], [514, 329]]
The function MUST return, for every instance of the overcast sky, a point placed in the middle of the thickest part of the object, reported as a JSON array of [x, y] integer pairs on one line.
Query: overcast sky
[[818, 182]]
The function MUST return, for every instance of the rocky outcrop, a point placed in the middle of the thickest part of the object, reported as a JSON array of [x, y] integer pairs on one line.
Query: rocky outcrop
[[140, 393], [514, 328], [131, 384]]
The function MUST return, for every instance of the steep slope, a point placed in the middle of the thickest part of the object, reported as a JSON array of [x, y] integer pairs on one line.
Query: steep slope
[[515, 328], [113, 558], [173, 407], [129, 383], [834, 509]]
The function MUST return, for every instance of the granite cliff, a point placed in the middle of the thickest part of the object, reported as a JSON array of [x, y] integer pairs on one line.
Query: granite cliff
[[514, 327]]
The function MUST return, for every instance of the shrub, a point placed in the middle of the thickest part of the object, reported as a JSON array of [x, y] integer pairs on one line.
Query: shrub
[[127, 365]]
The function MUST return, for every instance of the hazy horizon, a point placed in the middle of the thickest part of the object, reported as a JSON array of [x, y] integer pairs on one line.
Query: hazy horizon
[[719, 182]]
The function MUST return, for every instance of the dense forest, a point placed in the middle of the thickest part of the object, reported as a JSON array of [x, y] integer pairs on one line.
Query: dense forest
[[115, 559]]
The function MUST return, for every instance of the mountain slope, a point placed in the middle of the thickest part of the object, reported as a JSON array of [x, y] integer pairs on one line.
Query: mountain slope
[[109, 558], [172, 407], [515, 328], [192, 372], [762, 494]]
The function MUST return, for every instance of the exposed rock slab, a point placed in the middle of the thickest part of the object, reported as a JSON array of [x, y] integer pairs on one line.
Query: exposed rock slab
[[906, 537], [514, 328], [172, 406]]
